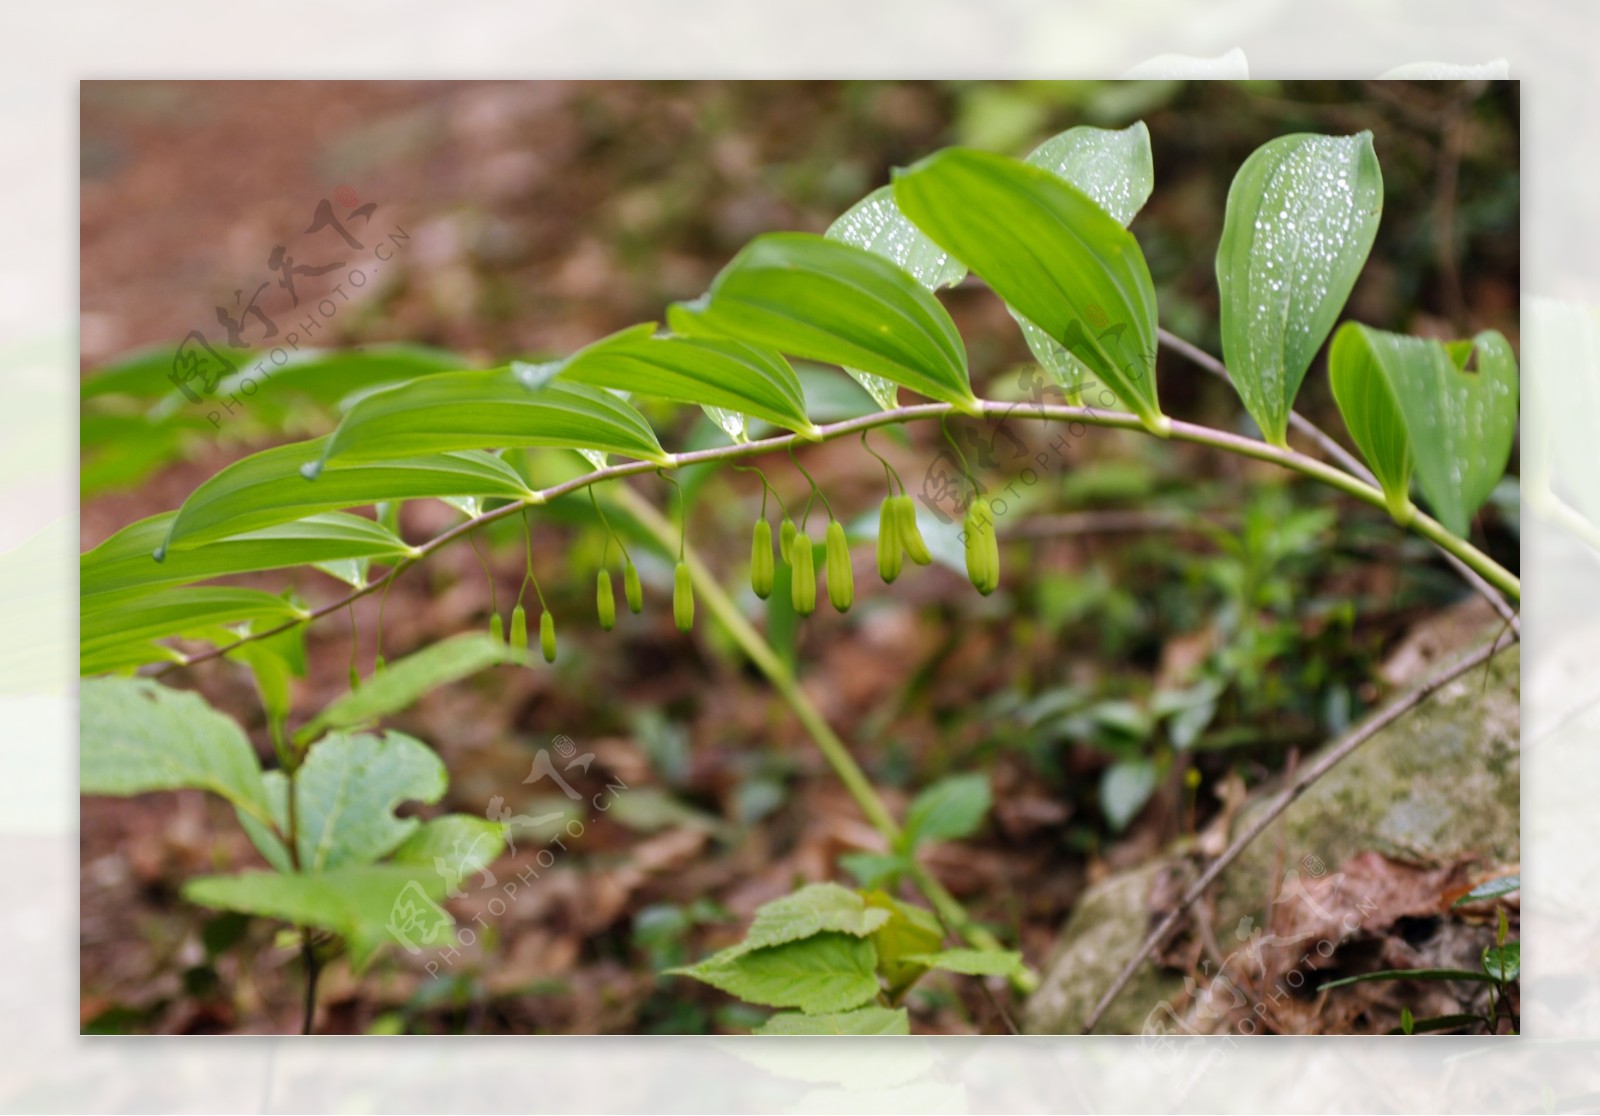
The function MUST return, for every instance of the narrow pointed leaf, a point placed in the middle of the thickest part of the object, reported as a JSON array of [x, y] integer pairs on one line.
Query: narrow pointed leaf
[[137, 736], [824, 300], [743, 378], [1449, 412], [404, 681], [175, 612], [124, 566], [487, 410], [1053, 255], [1116, 169], [268, 488], [876, 224], [1301, 217]]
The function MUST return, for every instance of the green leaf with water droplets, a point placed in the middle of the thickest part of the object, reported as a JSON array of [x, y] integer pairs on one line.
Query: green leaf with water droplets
[[1115, 168], [1447, 412], [1301, 217], [876, 224], [1053, 255]]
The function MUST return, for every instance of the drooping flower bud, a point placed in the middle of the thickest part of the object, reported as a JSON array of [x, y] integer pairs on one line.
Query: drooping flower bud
[[841, 578], [605, 601], [682, 597], [803, 576], [497, 628], [889, 547], [547, 636], [910, 533], [983, 548], [786, 535], [761, 568], [519, 628], [632, 589]]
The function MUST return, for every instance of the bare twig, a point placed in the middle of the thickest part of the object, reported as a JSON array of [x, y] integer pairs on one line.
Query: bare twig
[[1352, 464], [1387, 716]]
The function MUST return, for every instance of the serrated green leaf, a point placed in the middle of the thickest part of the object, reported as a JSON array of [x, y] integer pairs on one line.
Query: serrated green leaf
[[174, 612], [368, 905], [1114, 167], [828, 972], [1490, 889], [876, 224], [1411, 403], [405, 680], [814, 909], [123, 566], [269, 488], [136, 736], [347, 790], [972, 962], [346, 794], [949, 810], [862, 1021], [909, 931], [1301, 217], [1053, 255], [731, 375], [828, 301], [455, 846], [487, 410]]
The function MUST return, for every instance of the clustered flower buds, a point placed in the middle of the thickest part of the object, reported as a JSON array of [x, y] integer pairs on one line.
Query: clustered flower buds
[[761, 568], [910, 533], [983, 548], [605, 601], [841, 579], [682, 597], [802, 576], [890, 549], [547, 635], [632, 589]]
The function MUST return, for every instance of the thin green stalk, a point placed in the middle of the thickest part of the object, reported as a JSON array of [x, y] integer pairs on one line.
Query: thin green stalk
[[833, 749], [1423, 525]]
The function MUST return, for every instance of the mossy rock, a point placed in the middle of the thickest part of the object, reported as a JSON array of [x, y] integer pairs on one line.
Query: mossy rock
[[1440, 785]]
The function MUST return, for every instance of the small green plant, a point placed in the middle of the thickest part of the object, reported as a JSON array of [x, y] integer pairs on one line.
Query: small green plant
[[347, 873], [1048, 234], [1500, 968], [840, 961]]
